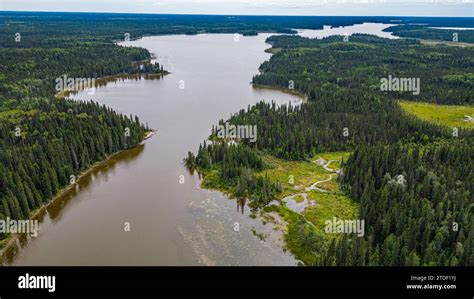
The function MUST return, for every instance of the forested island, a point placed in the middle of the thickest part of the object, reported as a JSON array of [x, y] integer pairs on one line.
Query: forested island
[[354, 150]]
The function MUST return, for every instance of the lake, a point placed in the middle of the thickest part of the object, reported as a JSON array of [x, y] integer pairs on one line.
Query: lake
[[170, 223], [142, 207], [365, 28]]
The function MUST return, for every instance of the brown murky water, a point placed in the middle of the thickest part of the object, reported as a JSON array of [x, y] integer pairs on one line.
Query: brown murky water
[[170, 223]]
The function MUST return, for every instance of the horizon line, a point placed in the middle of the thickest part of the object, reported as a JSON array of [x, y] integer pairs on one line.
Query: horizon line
[[236, 15]]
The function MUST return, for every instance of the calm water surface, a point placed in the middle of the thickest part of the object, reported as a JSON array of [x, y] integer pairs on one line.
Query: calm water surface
[[366, 28], [170, 223]]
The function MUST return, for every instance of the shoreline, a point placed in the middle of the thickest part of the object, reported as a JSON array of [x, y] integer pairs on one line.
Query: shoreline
[[12, 238], [294, 92], [102, 81], [147, 136]]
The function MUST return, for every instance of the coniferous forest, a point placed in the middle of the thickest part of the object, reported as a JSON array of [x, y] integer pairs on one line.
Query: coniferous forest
[[408, 223], [47, 142], [423, 219]]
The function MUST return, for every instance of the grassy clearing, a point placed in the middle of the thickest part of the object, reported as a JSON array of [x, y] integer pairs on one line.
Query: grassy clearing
[[329, 205], [336, 159], [294, 175], [336, 156], [451, 116], [331, 185], [304, 233], [299, 198]]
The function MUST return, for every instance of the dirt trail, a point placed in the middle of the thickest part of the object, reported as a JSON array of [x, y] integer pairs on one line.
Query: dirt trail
[[313, 186], [321, 162]]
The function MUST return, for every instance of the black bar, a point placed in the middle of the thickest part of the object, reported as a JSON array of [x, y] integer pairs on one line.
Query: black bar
[[242, 282]]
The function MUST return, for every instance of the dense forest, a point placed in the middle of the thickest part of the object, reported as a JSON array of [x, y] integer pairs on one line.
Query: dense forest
[[112, 26], [237, 165], [46, 142], [423, 219], [424, 32], [46, 148], [321, 68], [346, 110]]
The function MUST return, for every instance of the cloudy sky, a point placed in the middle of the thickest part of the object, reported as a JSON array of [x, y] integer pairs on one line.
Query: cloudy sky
[[255, 7]]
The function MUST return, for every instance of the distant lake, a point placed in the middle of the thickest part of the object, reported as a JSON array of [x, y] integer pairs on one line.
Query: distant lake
[[366, 28], [453, 28]]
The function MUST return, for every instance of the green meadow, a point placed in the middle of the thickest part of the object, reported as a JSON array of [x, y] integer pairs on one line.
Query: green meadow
[[451, 116]]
